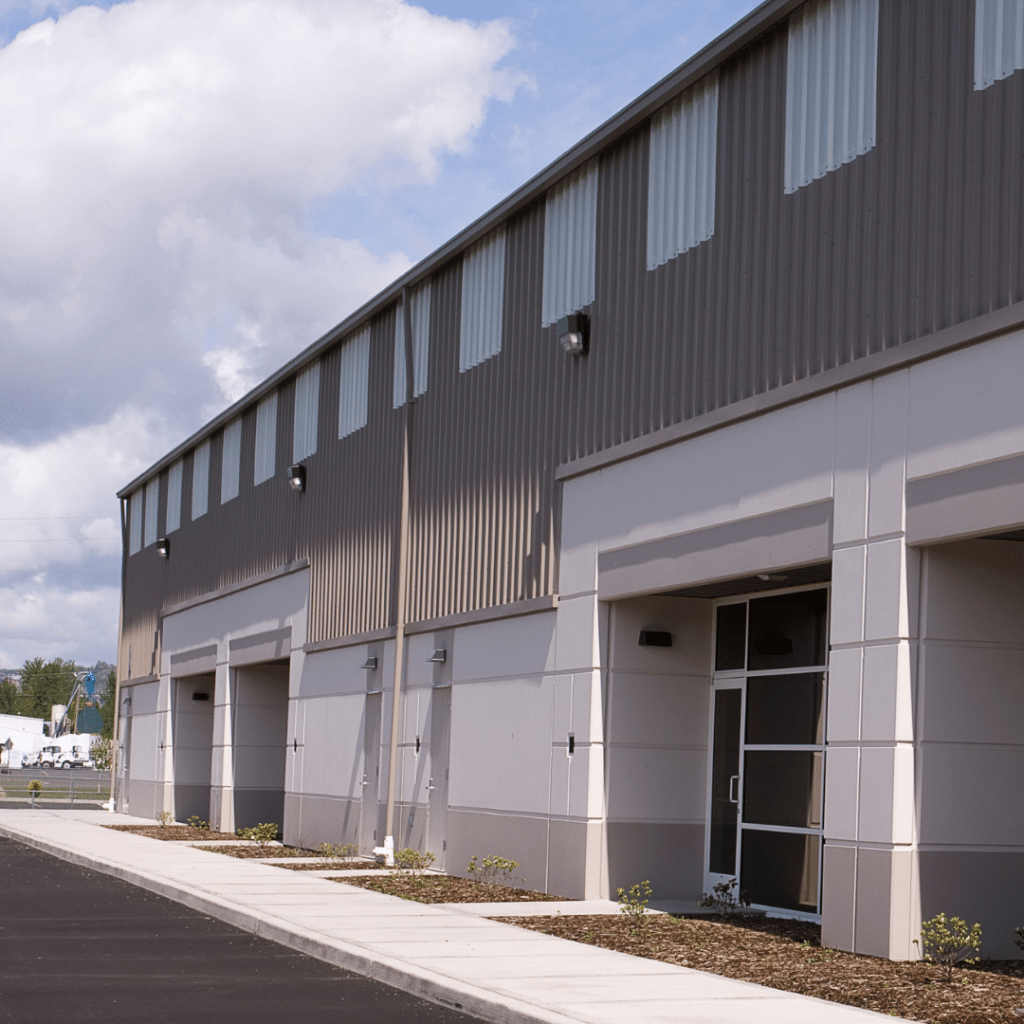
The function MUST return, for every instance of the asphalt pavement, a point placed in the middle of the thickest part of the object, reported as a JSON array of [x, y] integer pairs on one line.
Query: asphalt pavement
[[81, 946]]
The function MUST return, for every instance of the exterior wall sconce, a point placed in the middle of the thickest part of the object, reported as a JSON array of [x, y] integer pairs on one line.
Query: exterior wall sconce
[[369, 663], [297, 477], [654, 638], [439, 657], [163, 547], [573, 333], [200, 696]]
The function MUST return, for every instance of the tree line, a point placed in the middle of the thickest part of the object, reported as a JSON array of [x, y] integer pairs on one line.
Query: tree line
[[45, 683]]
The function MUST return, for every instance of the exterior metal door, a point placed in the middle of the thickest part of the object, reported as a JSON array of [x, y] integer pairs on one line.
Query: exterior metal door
[[437, 785], [370, 812]]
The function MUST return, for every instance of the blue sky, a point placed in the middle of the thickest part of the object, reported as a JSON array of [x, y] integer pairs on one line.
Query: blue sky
[[194, 192]]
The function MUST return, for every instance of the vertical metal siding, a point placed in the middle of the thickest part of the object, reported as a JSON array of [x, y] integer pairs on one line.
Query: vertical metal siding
[[135, 522], [173, 516], [231, 456], [265, 455], [831, 87], [998, 40], [420, 346], [570, 224], [482, 301], [354, 370], [201, 480], [681, 180], [307, 412], [152, 510]]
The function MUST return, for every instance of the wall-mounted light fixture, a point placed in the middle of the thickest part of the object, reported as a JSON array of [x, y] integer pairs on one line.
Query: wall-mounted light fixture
[[163, 547], [200, 696], [370, 663], [654, 638], [297, 477], [772, 577], [573, 333], [439, 657]]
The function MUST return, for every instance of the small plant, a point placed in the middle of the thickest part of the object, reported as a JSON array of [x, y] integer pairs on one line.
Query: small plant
[[35, 786], [724, 898], [948, 942], [336, 852], [492, 870], [196, 822], [262, 835], [413, 861], [165, 818], [1019, 940], [633, 902], [100, 752]]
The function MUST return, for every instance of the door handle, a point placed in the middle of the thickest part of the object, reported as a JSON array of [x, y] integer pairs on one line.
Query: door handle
[[364, 782], [430, 785], [734, 796]]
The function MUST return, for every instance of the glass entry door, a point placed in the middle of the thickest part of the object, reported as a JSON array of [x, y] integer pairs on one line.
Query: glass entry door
[[766, 779]]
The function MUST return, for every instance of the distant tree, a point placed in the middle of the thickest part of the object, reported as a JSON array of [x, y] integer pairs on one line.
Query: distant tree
[[9, 698], [107, 705], [44, 684]]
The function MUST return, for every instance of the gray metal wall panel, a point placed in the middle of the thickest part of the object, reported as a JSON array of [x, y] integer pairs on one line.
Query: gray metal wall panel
[[420, 316], [200, 479], [265, 456], [570, 218], [307, 412], [173, 508], [354, 370], [998, 40], [152, 510], [483, 301], [231, 460], [135, 522]]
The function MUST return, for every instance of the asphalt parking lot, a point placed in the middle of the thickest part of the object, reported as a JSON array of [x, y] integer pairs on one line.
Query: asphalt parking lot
[[82, 946]]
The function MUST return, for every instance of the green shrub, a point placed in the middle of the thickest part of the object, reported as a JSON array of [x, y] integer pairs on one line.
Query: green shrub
[[262, 835], [633, 903], [196, 822], [335, 851], [413, 861], [947, 943], [165, 818], [492, 870], [35, 786]]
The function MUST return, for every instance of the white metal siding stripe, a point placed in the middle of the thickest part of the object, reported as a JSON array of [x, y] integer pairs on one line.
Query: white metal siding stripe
[[570, 242], [264, 462], [354, 360], [152, 507], [483, 301], [681, 173], [998, 40], [201, 480], [135, 522], [831, 87], [420, 346], [231, 460], [307, 412], [174, 474]]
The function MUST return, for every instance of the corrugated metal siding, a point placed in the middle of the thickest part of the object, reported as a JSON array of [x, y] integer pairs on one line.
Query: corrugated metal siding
[[924, 231], [831, 87], [570, 221], [482, 301], [201, 479], [231, 460], [135, 522], [152, 508], [998, 40], [354, 371], [681, 173], [420, 346], [265, 458], [307, 412], [173, 519]]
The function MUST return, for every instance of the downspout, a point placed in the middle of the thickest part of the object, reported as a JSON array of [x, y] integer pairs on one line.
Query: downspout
[[388, 849], [117, 675]]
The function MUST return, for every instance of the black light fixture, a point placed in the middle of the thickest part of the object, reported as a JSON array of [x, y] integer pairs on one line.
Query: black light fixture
[[163, 547], [573, 333], [439, 657], [369, 663], [654, 638], [297, 477]]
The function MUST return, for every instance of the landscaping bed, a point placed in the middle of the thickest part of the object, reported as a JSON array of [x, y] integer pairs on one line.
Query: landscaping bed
[[446, 889], [788, 955], [172, 833], [257, 852], [333, 865]]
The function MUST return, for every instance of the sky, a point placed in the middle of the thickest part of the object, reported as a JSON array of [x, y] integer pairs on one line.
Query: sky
[[193, 191]]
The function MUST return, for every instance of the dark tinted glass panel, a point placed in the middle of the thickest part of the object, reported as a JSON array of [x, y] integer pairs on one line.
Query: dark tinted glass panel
[[730, 637], [780, 869], [782, 787], [787, 631], [786, 709], [725, 767]]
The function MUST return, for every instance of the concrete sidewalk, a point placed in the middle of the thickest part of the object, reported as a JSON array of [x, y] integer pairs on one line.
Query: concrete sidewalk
[[446, 954]]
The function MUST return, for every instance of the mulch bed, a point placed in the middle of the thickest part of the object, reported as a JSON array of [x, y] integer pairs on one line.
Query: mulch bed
[[257, 852], [171, 833], [334, 865], [788, 955], [446, 889]]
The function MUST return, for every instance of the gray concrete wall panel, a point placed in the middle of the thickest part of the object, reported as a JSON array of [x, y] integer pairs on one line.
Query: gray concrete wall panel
[[669, 856], [522, 838]]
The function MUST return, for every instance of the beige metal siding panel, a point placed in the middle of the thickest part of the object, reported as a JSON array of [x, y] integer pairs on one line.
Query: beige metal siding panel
[[570, 225], [998, 40], [306, 420], [831, 87], [681, 180]]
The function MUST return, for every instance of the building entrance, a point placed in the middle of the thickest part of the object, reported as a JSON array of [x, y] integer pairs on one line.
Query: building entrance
[[766, 778]]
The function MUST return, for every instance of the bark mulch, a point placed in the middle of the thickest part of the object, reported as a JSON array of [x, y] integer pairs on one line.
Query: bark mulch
[[257, 852], [334, 865], [446, 889], [788, 955], [173, 832]]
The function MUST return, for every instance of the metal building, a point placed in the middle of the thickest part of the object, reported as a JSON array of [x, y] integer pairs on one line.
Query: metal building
[[682, 494]]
